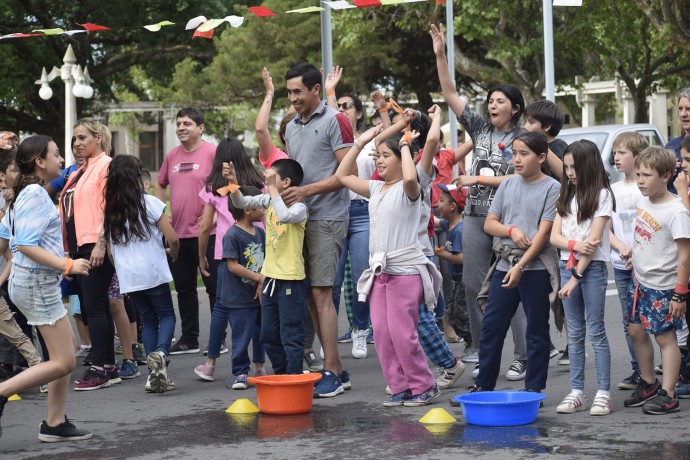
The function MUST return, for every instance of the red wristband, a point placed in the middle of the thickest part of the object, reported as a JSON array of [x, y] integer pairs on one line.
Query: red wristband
[[510, 230], [682, 289]]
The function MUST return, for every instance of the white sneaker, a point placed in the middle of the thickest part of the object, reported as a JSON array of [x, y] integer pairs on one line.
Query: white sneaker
[[601, 405], [157, 381], [517, 371], [451, 375], [321, 354], [475, 372], [359, 343], [572, 403]]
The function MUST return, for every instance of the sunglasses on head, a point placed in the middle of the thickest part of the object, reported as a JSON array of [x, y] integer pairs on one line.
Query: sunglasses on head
[[346, 105]]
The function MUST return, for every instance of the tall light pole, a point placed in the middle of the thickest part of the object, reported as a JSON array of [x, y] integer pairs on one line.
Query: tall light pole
[[549, 72], [450, 40], [77, 84]]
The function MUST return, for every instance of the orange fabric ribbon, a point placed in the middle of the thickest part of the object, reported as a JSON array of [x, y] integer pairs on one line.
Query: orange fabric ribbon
[[396, 108], [227, 189], [572, 261]]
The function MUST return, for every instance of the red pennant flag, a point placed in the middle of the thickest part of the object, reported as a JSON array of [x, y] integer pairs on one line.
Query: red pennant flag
[[93, 27], [261, 11], [207, 34], [363, 3], [440, 2]]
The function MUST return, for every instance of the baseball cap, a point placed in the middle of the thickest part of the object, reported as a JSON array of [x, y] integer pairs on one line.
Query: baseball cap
[[458, 194]]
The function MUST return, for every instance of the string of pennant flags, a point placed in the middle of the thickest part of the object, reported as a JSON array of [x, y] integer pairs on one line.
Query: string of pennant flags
[[204, 28]]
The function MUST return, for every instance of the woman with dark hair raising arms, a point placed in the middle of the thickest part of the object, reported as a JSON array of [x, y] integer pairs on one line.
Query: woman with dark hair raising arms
[[32, 227]]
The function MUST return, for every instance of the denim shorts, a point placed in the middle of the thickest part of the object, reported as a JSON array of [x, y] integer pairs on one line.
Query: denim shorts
[[650, 307], [36, 292]]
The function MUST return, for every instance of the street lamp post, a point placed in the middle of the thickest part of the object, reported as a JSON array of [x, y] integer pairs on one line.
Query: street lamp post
[[77, 84]]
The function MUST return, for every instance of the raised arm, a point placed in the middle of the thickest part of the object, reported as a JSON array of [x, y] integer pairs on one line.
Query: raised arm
[[433, 139], [392, 130], [410, 183], [380, 106], [450, 94], [263, 136], [349, 163], [332, 79]]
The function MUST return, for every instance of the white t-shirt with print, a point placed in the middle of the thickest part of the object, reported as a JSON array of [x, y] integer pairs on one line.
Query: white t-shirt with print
[[571, 230], [623, 218], [655, 254]]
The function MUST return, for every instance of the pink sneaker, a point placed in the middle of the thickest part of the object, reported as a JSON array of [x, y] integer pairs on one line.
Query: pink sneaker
[[205, 372], [259, 372]]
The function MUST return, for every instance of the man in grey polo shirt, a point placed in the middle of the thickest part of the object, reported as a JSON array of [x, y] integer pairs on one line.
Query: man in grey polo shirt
[[318, 138]]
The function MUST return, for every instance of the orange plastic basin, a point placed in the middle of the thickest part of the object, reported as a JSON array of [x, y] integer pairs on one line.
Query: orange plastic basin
[[285, 394]]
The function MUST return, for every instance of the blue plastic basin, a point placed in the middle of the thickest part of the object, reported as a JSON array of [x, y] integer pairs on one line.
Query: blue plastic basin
[[500, 408]]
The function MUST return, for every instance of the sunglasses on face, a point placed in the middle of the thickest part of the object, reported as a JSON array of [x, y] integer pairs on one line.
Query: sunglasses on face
[[346, 105]]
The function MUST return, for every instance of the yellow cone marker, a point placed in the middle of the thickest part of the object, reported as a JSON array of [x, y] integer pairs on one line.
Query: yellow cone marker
[[440, 429], [242, 406], [14, 397], [437, 416]]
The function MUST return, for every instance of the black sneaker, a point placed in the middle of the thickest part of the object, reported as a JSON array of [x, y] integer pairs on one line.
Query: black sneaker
[[564, 360], [531, 390], [659, 370], [88, 359], [661, 404], [138, 354], [66, 431], [180, 348], [642, 393], [630, 383]]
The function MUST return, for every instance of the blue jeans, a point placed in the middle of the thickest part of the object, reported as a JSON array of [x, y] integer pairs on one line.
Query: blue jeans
[[158, 315], [533, 291], [622, 278], [220, 317], [584, 311], [357, 246], [283, 319], [245, 323]]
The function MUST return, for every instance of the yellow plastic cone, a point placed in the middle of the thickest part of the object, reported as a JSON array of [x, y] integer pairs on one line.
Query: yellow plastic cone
[[440, 429], [242, 406], [14, 397], [437, 416]]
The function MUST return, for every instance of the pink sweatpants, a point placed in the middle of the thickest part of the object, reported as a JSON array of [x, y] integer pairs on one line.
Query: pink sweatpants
[[394, 301]]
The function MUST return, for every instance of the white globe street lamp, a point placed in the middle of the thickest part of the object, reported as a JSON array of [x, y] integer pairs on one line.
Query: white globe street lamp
[[77, 84]]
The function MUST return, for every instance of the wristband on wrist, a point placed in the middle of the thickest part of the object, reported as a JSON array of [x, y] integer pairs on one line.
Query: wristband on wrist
[[269, 94], [69, 265], [682, 289], [576, 275], [480, 180], [510, 230], [403, 144], [678, 297], [520, 267], [330, 92]]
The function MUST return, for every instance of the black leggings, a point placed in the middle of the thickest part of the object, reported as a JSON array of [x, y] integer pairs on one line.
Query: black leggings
[[93, 295]]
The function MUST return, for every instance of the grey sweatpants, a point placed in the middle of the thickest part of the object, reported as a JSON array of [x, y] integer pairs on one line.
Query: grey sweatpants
[[476, 247]]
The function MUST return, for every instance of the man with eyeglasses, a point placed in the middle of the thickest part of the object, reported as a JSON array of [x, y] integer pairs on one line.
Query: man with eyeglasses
[[318, 138]]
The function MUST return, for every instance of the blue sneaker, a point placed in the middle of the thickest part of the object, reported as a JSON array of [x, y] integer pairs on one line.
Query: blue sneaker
[[345, 338], [398, 399], [345, 380], [683, 388], [129, 369], [329, 385], [423, 399]]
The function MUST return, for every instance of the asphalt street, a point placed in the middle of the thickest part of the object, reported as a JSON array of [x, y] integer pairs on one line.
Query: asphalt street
[[191, 422]]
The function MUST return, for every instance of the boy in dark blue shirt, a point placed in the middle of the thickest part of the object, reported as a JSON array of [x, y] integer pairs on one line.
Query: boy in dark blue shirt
[[451, 205]]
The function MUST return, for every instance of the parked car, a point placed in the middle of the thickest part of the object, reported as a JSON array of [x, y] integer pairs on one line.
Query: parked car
[[604, 135]]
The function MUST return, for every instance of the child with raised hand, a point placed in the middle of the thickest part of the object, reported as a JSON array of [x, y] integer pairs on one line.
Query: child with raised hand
[[134, 225], [284, 294], [525, 262], [32, 227], [268, 152], [660, 260], [400, 277], [580, 230], [239, 295], [626, 147]]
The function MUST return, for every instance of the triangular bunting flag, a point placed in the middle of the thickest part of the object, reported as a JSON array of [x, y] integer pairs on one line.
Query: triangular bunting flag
[[339, 5], [49, 31], [157, 27], [309, 9], [209, 25], [20, 36], [93, 27], [194, 23], [207, 34], [365, 3], [76, 31], [261, 11]]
